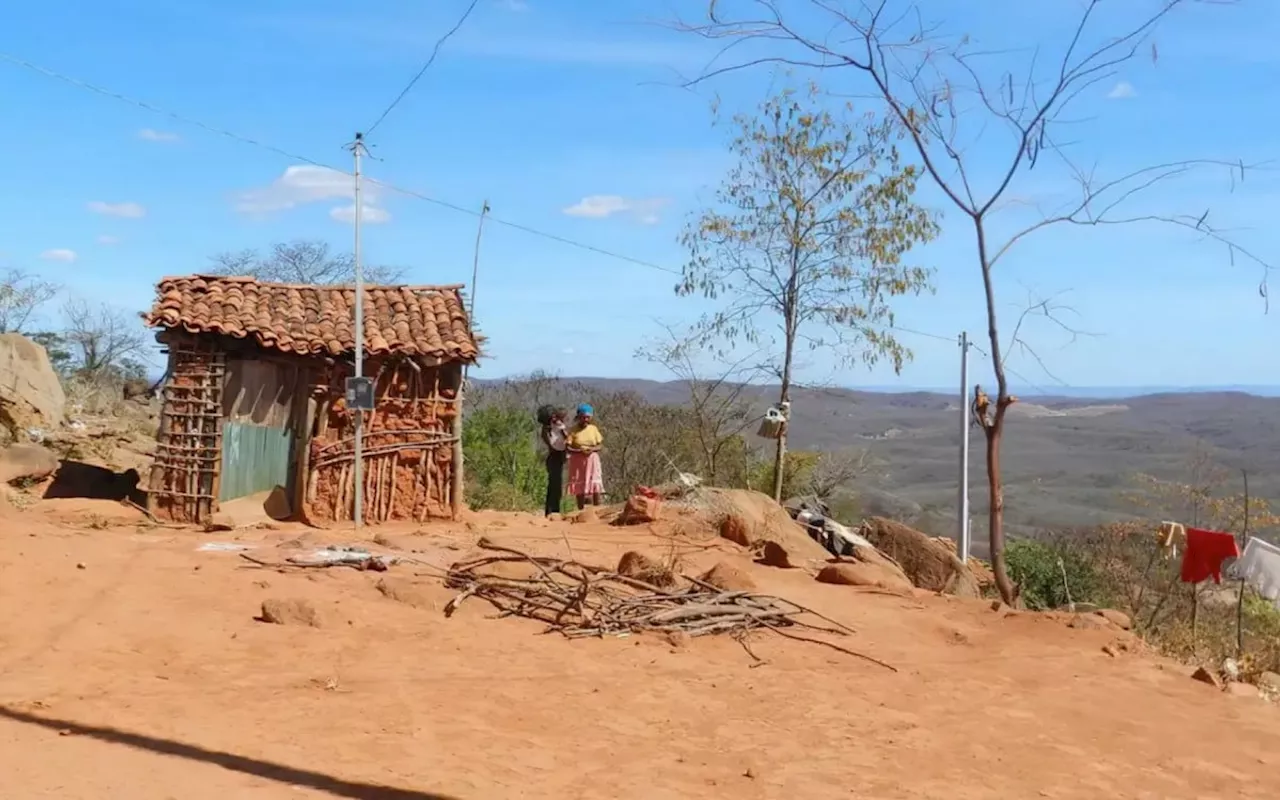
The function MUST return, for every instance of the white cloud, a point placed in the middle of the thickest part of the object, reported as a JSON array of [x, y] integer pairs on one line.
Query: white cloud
[[372, 214], [600, 206], [153, 135], [125, 210], [59, 254], [1122, 91], [108, 239], [304, 184], [568, 351]]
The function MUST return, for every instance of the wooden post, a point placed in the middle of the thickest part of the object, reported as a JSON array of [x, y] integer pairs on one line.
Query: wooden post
[[455, 489]]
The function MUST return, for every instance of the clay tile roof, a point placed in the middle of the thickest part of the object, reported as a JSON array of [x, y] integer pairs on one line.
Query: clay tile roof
[[407, 320]]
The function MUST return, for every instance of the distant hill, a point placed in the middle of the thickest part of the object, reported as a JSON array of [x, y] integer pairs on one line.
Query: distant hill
[[1068, 461]]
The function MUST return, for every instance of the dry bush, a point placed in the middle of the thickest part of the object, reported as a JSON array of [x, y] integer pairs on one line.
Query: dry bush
[[1126, 570]]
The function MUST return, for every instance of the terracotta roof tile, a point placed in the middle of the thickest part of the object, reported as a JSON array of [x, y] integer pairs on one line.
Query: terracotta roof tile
[[408, 320]]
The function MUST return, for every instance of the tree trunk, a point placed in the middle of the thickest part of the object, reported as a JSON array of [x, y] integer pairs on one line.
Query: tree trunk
[[780, 457], [995, 429], [779, 463], [995, 515]]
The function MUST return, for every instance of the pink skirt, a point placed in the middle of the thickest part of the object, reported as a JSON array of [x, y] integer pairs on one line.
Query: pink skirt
[[585, 474]]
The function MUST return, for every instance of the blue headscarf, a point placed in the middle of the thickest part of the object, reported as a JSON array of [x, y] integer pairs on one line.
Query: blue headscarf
[[585, 410]]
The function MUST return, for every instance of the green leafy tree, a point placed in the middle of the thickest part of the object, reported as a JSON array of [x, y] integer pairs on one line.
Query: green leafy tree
[[1052, 577], [505, 470], [807, 242], [60, 355]]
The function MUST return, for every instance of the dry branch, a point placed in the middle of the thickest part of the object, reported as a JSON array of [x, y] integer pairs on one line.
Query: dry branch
[[578, 600]]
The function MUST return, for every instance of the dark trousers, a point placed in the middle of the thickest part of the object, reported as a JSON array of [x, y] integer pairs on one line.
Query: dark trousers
[[555, 480]]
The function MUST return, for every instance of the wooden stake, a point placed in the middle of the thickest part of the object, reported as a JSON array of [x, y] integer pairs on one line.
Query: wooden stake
[[424, 477], [391, 500], [1244, 542]]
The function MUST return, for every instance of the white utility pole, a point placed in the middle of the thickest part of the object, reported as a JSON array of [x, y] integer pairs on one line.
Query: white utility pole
[[962, 516], [357, 148]]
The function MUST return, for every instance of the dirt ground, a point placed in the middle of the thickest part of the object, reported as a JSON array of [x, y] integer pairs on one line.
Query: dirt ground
[[131, 665]]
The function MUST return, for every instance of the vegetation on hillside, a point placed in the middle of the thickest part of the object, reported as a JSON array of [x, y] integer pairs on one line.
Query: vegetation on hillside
[[645, 444]]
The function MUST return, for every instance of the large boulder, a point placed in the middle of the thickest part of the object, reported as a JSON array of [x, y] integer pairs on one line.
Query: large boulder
[[29, 461], [755, 521], [30, 394], [929, 564]]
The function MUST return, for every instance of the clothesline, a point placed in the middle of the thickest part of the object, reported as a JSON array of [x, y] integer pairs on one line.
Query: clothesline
[[1205, 553]]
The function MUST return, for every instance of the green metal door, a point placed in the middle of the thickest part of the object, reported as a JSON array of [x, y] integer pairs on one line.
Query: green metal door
[[255, 458], [257, 431]]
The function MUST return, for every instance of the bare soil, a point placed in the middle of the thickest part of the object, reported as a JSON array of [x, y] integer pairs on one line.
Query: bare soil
[[131, 665]]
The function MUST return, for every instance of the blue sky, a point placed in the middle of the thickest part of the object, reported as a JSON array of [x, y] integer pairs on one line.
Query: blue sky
[[541, 106]]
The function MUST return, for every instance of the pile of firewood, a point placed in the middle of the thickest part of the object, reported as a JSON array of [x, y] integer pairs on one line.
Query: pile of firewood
[[578, 600]]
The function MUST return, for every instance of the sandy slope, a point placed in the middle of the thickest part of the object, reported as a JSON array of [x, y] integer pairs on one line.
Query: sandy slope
[[143, 675]]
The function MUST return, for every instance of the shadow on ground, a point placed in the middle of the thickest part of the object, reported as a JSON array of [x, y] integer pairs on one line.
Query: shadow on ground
[[76, 479], [249, 766]]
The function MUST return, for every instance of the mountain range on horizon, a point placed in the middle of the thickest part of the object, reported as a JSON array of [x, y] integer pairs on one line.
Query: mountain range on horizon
[[1072, 459], [1042, 393]]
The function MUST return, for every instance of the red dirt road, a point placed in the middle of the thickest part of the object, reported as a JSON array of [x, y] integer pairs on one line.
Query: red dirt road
[[131, 666]]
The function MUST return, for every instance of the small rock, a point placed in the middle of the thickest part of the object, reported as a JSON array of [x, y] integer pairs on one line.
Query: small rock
[[855, 574], [749, 773], [643, 568], [81, 565], [1269, 681], [678, 640], [1086, 622], [588, 514], [291, 611], [1111, 650], [997, 605], [1117, 618], [404, 590], [729, 578], [773, 554], [1205, 676]]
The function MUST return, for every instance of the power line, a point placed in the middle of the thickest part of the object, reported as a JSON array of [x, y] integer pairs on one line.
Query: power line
[[1014, 372], [54, 74], [50, 73], [435, 51]]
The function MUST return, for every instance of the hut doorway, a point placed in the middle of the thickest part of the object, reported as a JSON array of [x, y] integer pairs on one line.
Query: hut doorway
[[259, 441]]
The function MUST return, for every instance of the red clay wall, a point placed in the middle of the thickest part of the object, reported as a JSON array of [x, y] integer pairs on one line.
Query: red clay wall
[[408, 446]]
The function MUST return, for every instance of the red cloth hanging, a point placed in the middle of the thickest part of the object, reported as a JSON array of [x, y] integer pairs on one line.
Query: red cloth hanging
[[1206, 550]]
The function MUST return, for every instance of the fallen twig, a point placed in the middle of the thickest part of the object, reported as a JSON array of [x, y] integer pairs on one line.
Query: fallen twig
[[371, 563]]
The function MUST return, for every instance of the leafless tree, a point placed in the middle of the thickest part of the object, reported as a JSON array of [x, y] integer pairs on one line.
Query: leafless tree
[[306, 261], [944, 93], [107, 342], [839, 469], [719, 406], [21, 296]]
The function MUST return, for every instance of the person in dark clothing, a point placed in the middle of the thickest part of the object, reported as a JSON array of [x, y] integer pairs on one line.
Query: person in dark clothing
[[555, 437]]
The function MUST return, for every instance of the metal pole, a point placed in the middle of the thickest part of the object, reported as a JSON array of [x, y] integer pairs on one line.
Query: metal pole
[[475, 277], [358, 471], [962, 518]]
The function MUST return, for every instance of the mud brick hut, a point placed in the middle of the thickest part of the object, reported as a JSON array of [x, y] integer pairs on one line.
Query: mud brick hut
[[254, 398]]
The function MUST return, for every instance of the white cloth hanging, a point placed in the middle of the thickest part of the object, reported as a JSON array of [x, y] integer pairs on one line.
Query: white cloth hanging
[[1259, 566]]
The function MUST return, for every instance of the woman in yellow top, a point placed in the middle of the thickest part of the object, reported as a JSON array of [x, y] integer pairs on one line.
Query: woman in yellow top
[[586, 479]]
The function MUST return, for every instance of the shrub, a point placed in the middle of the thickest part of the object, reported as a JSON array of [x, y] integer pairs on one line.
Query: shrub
[[1039, 568]]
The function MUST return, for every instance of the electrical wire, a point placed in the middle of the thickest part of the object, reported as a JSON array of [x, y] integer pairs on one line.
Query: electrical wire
[[186, 120], [435, 51], [94, 88]]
